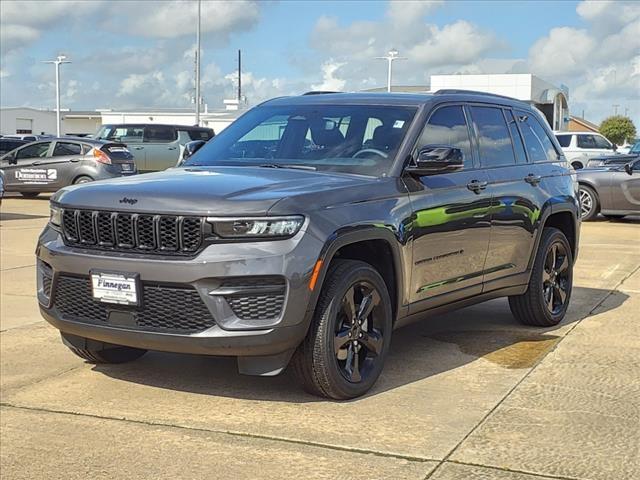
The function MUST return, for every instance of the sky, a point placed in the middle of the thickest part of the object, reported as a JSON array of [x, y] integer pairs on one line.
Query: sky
[[140, 54]]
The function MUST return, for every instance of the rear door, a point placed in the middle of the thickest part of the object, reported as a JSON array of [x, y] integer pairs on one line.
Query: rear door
[[451, 219], [592, 145], [161, 146], [515, 203], [64, 159], [23, 170]]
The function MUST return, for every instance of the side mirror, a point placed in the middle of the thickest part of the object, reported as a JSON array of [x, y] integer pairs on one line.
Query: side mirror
[[628, 167], [433, 159], [191, 148], [12, 159]]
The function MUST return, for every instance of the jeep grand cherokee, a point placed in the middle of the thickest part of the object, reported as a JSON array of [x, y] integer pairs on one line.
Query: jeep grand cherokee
[[312, 227]]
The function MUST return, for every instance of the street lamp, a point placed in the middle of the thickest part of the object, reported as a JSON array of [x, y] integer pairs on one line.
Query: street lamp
[[60, 59], [391, 56], [198, 65]]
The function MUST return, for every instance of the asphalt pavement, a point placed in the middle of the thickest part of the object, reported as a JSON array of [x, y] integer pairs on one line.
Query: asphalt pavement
[[468, 395]]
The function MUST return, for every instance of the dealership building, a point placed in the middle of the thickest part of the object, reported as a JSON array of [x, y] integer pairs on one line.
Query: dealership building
[[41, 122]]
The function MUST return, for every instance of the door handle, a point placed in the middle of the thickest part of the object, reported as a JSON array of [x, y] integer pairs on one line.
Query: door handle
[[477, 186], [138, 148], [37, 162], [74, 160], [171, 148], [533, 179]]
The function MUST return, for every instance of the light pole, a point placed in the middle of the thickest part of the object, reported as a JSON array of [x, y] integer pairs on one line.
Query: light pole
[[198, 67], [60, 59], [391, 56]]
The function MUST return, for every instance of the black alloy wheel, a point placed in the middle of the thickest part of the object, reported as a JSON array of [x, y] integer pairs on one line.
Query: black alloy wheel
[[359, 332], [556, 282]]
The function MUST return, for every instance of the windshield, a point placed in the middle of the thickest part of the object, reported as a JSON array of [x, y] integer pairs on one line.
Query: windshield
[[360, 139], [635, 148]]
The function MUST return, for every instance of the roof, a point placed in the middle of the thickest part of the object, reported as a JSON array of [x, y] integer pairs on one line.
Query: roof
[[394, 98], [585, 123], [153, 124]]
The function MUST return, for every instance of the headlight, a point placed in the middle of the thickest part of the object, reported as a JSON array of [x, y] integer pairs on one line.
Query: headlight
[[55, 216], [259, 227]]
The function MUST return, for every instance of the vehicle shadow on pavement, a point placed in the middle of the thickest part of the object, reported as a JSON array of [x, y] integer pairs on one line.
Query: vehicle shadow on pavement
[[482, 333]]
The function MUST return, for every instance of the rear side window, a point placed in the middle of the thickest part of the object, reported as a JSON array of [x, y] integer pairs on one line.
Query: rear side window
[[493, 135], [66, 148], [8, 145], [37, 150], [518, 146], [204, 135], [564, 140], [539, 146], [159, 134], [448, 126]]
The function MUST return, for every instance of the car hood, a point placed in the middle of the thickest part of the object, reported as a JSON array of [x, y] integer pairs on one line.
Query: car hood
[[204, 190]]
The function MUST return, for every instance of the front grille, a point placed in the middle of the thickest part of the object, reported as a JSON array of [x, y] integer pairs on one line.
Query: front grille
[[164, 308], [132, 232], [255, 298]]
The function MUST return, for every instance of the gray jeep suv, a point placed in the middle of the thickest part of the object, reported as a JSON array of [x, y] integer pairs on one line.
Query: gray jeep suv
[[313, 226]]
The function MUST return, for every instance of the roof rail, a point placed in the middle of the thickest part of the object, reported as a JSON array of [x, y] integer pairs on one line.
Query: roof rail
[[319, 92], [473, 92]]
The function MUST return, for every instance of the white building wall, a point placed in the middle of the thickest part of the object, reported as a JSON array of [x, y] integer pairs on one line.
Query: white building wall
[[40, 121], [512, 85]]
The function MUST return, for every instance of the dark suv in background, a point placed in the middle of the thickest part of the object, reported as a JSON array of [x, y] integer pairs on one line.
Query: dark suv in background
[[313, 226]]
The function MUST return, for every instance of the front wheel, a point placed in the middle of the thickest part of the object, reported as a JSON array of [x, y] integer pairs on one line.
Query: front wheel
[[344, 351], [547, 298]]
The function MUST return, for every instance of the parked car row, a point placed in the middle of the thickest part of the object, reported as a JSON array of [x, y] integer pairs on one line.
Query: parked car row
[[578, 147], [49, 163]]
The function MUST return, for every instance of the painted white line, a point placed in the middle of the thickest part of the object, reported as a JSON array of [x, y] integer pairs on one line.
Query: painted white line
[[609, 271]]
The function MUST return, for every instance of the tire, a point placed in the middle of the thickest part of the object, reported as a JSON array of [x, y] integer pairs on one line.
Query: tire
[[318, 361], [82, 179], [109, 355], [589, 203], [29, 194], [547, 284], [577, 165]]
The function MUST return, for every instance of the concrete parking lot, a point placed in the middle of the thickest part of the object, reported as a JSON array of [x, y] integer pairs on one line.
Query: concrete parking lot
[[468, 395]]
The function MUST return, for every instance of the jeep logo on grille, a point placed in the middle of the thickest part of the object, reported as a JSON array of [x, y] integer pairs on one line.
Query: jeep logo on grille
[[130, 201]]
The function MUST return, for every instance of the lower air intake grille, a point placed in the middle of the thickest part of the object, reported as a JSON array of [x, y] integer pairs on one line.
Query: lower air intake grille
[[164, 308]]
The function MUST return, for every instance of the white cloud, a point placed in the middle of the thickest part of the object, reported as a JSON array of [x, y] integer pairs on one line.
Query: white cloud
[[329, 81], [21, 23], [171, 19], [565, 51]]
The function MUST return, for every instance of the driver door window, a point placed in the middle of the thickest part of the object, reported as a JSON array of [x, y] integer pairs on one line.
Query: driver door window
[[37, 150], [448, 126]]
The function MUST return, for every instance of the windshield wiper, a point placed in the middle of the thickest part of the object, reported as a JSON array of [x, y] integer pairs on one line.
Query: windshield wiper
[[285, 165]]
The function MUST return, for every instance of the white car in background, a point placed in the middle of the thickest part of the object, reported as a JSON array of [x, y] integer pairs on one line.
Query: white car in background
[[579, 147]]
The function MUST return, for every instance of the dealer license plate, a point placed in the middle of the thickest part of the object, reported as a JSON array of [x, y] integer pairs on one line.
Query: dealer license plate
[[115, 288]]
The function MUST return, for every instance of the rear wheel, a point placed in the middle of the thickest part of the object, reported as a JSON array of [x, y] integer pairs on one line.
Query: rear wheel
[[82, 179], [547, 298], [29, 194], [577, 165], [589, 205], [344, 351]]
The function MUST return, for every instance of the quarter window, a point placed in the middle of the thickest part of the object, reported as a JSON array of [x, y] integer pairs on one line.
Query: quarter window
[[37, 150], [448, 126], [66, 148], [494, 139], [539, 146]]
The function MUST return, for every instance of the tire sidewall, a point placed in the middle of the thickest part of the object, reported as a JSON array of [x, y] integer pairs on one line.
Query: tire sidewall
[[330, 316]]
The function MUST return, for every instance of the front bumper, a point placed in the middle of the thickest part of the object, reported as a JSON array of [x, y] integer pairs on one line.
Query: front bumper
[[237, 329]]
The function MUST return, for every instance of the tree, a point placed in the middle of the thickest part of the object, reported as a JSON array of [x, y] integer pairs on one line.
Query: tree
[[618, 129]]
